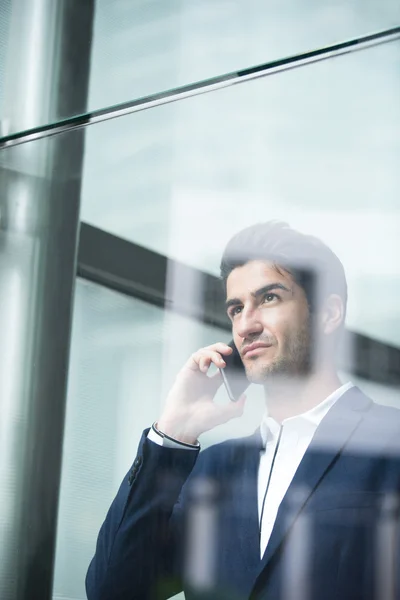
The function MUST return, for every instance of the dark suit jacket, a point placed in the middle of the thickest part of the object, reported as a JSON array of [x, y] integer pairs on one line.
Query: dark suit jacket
[[186, 521]]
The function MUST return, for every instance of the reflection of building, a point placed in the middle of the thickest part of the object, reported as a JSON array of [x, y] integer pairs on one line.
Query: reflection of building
[[315, 146]]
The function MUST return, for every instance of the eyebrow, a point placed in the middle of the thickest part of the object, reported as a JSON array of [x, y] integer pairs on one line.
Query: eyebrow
[[260, 292]]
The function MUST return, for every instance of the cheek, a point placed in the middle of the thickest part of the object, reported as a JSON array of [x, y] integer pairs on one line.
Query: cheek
[[283, 325], [276, 321], [237, 339]]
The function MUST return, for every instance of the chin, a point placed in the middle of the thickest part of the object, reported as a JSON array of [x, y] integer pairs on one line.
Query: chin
[[278, 371], [263, 372], [259, 373], [257, 379]]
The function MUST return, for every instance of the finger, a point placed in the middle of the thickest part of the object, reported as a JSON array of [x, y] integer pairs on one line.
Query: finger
[[205, 357], [215, 381], [241, 403], [237, 407], [216, 378], [217, 359], [220, 347], [204, 363], [231, 410], [194, 362]]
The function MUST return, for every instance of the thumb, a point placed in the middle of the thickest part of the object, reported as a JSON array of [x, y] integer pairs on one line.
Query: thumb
[[238, 407], [231, 410]]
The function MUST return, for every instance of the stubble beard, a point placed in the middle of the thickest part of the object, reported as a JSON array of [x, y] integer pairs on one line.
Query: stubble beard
[[294, 362]]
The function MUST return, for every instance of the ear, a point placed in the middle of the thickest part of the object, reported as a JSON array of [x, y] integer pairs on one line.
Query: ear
[[332, 314]]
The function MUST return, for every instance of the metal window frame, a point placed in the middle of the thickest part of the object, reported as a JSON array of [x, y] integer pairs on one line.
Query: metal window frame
[[139, 272], [201, 87]]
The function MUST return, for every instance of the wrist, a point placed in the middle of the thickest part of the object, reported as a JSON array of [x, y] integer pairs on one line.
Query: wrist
[[175, 431]]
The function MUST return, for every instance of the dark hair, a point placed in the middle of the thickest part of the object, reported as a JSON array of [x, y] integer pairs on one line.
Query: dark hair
[[312, 264]]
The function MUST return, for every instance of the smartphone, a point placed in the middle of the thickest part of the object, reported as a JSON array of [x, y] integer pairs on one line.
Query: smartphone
[[234, 374]]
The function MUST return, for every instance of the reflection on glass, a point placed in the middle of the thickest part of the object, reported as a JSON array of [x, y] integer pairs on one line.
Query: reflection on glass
[[316, 147], [147, 47], [310, 497], [143, 48], [124, 358], [302, 502]]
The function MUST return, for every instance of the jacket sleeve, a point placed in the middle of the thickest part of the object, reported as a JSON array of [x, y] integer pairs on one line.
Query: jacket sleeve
[[137, 553]]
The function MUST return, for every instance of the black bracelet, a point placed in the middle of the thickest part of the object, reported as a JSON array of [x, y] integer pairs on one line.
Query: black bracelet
[[164, 435]]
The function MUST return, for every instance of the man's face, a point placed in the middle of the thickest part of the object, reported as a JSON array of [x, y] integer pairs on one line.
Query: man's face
[[270, 311]]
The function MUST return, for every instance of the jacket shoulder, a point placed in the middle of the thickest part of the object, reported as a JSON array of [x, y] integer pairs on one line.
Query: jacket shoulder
[[382, 426], [385, 414]]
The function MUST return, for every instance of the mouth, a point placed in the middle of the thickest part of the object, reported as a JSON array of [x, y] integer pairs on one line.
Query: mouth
[[255, 349]]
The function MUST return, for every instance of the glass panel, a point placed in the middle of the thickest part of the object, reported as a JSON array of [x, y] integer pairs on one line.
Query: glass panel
[[143, 47], [5, 12], [316, 146], [118, 345]]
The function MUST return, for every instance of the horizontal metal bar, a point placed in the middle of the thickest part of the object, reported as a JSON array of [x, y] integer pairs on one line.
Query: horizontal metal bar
[[202, 87], [142, 273]]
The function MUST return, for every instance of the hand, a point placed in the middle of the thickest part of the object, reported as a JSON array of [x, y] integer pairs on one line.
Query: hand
[[190, 408]]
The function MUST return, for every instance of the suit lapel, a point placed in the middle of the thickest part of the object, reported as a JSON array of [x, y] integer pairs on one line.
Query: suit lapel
[[243, 527], [323, 451]]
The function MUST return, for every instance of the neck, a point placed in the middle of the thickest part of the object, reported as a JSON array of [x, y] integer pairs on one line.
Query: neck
[[287, 398]]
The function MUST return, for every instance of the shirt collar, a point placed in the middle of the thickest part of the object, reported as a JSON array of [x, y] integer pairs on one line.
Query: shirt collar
[[313, 416]]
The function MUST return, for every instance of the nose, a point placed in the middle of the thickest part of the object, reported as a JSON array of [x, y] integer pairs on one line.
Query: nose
[[249, 324]]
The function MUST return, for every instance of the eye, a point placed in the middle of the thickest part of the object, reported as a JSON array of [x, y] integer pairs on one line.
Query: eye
[[270, 297], [234, 311]]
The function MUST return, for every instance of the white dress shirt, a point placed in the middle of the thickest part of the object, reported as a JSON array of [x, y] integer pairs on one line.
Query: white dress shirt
[[294, 435]]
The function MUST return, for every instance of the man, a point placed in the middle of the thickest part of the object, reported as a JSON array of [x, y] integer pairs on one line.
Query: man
[[307, 507]]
